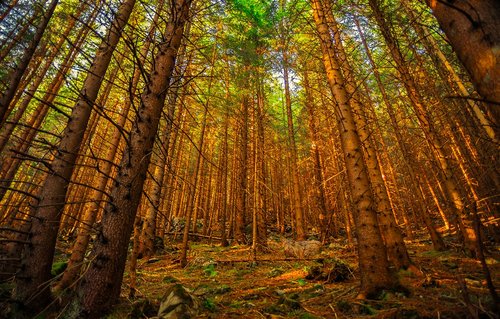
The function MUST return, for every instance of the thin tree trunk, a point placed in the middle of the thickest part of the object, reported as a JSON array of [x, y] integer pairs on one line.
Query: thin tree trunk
[[14, 78], [318, 182], [242, 200], [296, 199]]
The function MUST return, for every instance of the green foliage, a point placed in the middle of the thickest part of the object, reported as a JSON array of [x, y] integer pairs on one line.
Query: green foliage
[[301, 282], [210, 271]]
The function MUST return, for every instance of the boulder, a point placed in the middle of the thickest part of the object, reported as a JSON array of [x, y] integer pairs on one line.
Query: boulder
[[178, 303], [302, 249]]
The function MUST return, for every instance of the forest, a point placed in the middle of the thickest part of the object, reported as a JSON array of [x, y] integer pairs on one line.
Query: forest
[[249, 159]]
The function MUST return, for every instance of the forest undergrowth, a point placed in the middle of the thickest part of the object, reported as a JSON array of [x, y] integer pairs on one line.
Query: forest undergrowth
[[230, 284]]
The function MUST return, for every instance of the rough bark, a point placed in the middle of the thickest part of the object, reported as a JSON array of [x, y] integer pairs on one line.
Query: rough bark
[[101, 284], [427, 125], [396, 249], [373, 264], [472, 27], [32, 282], [421, 209]]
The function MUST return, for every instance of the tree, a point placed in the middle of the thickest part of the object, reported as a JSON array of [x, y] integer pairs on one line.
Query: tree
[[374, 268], [32, 283], [472, 29], [100, 287], [15, 75]]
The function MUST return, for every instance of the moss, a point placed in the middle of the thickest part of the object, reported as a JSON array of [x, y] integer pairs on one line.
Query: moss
[[209, 304], [58, 267]]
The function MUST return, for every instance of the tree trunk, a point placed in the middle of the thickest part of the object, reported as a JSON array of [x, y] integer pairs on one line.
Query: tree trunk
[[14, 78], [296, 196], [472, 29], [373, 264], [32, 282], [396, 249], [427, 125], [101, 284], [242, 200]]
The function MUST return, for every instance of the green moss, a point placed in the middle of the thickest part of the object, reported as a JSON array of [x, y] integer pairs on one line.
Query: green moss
[[58, 267], [209, 304]]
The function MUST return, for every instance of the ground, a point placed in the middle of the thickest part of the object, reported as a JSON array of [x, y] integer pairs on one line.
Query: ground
[[231, 285]]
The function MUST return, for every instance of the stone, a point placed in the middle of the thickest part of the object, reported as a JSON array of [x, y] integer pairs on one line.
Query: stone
[[178, 303], [302, 249]]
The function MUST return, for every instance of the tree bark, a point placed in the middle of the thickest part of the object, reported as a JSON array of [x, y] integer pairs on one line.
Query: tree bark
[[472, 29], [373, 264], [427, 125], [32, 282], [101, 284], [14, 78]]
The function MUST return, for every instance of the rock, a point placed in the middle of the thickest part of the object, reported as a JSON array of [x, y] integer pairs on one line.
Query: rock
[[178, 303], [302, 249]]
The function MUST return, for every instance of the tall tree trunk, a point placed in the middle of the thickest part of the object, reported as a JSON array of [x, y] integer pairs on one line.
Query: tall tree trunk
[[437, 241], [396, 249], [472, 29], [101, 284], [32, 283], [447, 72], [11, 163], [373, 264], [426, 123], [296, 196], [14, 78], [242, 200], [8, 128], [319, 187]]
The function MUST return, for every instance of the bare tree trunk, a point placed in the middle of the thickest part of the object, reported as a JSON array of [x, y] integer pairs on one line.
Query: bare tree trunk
[[242, 200], [14, 78], [296, 199], [427, 125], [446, 71], [8, 128], [32, 282], [315, 153], [472, 28], [101, 284], [396, 249], [373, 264]]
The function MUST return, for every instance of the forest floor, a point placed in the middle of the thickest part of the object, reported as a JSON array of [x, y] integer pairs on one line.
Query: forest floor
[[230, 285]]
